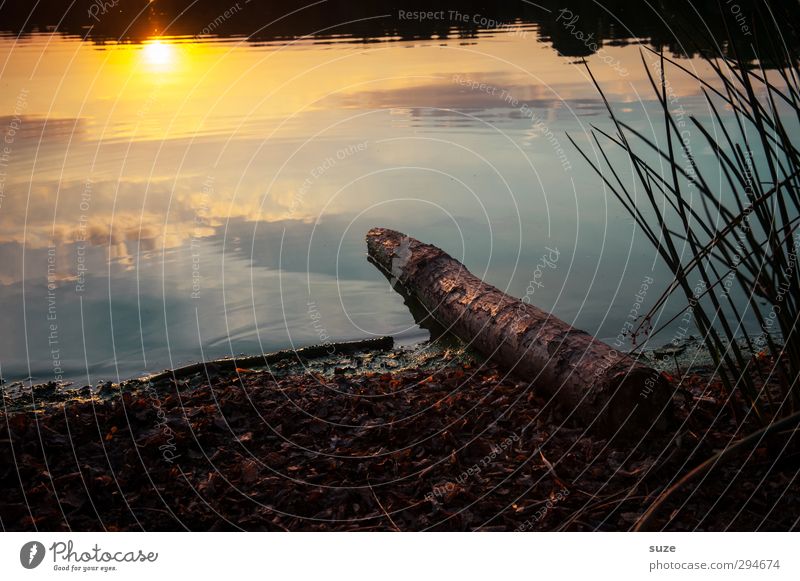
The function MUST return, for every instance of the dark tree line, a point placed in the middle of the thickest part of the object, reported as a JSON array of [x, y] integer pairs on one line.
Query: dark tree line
[[680, 27]]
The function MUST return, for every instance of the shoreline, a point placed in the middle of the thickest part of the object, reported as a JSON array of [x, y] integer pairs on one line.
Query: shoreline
[[689, 356], [363, 441]]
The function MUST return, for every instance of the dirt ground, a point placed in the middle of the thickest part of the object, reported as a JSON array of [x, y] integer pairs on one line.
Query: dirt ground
[[374, 440]]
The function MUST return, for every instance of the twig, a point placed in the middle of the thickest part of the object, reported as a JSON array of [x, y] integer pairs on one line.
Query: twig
[[375, 496], [711, 462], [551, 469]]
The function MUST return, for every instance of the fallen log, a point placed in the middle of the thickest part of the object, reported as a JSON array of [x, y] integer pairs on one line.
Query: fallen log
[[605, 389]]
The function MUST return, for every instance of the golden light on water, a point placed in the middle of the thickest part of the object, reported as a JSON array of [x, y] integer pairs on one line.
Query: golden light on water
[[158, 53], [146, 121]]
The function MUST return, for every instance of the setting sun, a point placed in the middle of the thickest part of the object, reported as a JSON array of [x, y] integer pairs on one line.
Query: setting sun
[[158, 53]]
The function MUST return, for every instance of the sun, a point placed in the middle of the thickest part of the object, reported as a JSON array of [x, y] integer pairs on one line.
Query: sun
[[158, 53]]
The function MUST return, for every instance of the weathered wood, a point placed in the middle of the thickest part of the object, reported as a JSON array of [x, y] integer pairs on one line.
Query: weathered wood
[[603, 388]]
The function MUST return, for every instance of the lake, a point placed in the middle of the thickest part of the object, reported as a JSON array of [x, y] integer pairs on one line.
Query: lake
[[188, 189]]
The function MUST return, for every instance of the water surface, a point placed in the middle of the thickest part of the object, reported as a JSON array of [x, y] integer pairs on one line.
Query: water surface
[[170, 198]]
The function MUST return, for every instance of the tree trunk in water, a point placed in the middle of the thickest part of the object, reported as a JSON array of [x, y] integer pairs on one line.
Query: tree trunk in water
[[608, 391]]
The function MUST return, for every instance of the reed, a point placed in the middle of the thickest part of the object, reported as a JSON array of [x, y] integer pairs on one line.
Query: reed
[[727, 230]]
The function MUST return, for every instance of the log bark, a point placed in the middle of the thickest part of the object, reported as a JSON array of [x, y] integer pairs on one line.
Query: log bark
[[606, 390]]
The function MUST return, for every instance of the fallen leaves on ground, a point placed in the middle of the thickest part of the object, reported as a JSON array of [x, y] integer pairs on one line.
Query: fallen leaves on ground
[[459, 448]]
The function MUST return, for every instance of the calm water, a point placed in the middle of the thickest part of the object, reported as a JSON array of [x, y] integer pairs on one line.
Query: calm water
[[176, 199]]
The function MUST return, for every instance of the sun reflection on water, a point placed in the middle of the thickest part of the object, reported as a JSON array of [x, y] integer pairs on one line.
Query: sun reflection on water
[[159, 54]]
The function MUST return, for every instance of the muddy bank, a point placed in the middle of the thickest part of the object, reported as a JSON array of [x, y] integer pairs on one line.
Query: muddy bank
[[375, 354], [348, 357], [374, 440]]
